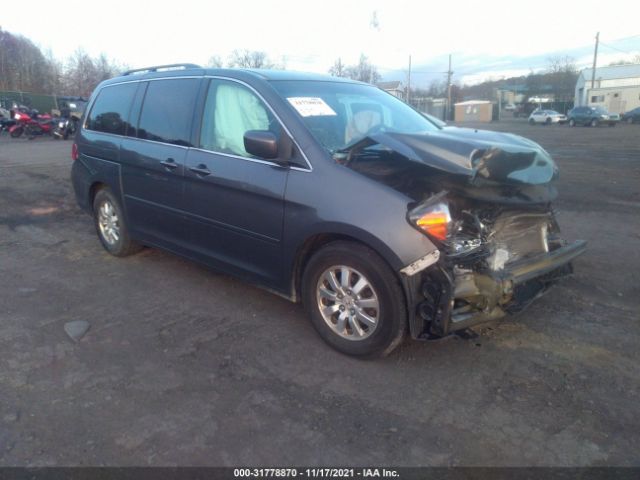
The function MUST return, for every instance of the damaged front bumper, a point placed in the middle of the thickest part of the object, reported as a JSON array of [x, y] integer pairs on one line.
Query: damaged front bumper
[[528, 269], [438, 295]]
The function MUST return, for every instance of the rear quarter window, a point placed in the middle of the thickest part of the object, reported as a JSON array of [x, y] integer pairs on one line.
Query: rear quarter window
[[110, 111]]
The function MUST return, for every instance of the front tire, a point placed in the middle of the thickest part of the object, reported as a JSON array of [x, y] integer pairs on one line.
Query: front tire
[[532, 121], [354, 300], [594, 123], [110, 225], [572, 123]]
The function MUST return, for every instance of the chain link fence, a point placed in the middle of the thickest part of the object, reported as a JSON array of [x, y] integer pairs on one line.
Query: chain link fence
[[42, 103]]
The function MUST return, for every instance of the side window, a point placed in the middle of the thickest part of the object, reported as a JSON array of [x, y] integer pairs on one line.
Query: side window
[[110, 111], [231, 109], [167, 111]]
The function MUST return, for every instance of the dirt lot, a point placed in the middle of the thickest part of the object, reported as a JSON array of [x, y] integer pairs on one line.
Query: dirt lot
[[184, 366]]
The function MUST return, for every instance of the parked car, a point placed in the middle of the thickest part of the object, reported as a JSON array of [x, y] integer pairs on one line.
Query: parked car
[[592, 117], [546, 117], [632, 116], [510, 107], [326, 191]]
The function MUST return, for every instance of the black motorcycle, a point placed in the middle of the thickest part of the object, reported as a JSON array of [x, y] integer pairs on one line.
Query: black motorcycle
[[64, 128]]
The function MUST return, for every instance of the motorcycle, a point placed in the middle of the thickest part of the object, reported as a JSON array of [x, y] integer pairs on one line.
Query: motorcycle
[[64, 128], [31, 123], [6, 123]]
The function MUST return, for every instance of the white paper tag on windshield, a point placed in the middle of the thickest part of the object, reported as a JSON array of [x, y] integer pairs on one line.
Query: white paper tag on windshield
[[311, 106]]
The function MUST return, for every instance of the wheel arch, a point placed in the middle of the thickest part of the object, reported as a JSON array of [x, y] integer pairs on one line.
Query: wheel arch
[[95, 187], [314, 242]]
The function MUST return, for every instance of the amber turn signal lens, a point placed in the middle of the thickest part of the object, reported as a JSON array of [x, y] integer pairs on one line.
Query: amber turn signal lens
[[435, 224]]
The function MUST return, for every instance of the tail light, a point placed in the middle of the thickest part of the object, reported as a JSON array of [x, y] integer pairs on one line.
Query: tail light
[[74, 151], [433, 219]]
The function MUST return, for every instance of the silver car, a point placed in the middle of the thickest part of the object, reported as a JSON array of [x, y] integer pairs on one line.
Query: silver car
[[546, 117]]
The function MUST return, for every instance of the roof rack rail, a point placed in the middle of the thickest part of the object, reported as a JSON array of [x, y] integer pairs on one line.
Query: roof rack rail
[[171, 66]]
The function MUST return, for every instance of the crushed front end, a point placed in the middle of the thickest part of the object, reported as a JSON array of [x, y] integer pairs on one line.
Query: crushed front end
[[494, 260], [484, 200]]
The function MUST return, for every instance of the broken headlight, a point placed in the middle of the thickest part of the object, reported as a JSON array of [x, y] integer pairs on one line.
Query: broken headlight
[[433, 219]]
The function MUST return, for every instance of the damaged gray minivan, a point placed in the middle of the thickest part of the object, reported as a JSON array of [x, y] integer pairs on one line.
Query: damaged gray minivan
[[325, 191]]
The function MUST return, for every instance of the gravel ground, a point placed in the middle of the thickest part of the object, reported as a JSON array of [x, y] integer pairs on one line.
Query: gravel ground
[[185, 366]]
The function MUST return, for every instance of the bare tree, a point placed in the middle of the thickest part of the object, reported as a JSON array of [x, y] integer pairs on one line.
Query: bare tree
[[22, 65], [82, 73], [338, 69], [364, 71], [215, 62], [562, 75], [437, 89], [251, 59]]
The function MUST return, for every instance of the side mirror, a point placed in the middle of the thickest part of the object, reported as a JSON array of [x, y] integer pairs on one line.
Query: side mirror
[[261, 143]]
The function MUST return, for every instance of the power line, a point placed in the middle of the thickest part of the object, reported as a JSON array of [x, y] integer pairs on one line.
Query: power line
[[615, 48], [626, 38]]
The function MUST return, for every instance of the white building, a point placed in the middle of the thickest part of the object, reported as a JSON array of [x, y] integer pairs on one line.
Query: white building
[[395, 88], [616, 88]]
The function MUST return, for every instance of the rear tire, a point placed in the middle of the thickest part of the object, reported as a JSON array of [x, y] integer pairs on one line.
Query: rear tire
[[110, 225], [630, 120], [593, 123], [16, 133], [355, 301]]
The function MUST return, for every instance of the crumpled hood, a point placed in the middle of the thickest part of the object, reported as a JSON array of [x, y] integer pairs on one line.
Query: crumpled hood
[[481, 155]]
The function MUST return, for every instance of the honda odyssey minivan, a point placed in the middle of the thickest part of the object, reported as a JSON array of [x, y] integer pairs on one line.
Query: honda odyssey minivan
[[326, 191]]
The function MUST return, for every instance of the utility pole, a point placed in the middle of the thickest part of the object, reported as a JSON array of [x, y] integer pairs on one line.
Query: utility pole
[[449, 73], [409, 83], [595, 59]]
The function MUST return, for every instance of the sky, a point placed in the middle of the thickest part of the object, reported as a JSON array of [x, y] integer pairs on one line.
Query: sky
[[487, 39]]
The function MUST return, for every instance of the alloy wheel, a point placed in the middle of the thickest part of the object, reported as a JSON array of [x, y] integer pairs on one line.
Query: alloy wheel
[[109, 223], [348, 302]]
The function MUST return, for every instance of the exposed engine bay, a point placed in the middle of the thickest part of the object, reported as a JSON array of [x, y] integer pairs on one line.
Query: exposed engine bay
[[488, 210]]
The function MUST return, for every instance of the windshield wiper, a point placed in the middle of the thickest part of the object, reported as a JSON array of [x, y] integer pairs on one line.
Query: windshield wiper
[[346, 153]]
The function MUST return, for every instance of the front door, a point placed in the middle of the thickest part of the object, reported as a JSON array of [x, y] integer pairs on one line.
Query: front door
[[235, 201]]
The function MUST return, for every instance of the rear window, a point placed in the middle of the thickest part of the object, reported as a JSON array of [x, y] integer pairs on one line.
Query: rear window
[[110, 111], [167, 111]]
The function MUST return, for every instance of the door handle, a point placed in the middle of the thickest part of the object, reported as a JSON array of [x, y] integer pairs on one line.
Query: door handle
[[169, 163], [201, 170]]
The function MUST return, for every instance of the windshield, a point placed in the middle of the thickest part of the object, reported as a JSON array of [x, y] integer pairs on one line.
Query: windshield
[[600, 110], [339, 114]]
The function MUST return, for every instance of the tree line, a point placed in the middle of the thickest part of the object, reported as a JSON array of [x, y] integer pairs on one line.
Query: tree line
[[25, 67], [363, 70]]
